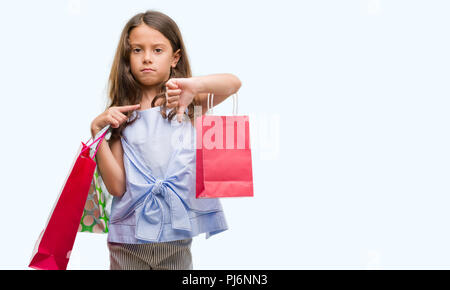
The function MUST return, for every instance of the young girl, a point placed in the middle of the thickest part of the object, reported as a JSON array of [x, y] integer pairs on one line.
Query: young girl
[[146, 164]]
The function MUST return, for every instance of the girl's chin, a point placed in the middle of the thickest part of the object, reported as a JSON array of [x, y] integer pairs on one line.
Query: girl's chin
[[148, 83]]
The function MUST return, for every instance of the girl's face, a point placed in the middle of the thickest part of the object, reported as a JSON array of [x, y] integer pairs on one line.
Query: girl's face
[[151, 50]]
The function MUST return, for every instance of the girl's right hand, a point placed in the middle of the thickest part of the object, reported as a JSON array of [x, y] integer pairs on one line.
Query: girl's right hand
[[112, 116]]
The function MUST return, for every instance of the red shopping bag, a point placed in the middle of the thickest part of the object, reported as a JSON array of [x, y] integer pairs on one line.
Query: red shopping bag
[[54, 245], [223, 162]]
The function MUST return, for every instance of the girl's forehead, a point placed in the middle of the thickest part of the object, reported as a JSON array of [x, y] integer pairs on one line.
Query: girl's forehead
[[143, 34]]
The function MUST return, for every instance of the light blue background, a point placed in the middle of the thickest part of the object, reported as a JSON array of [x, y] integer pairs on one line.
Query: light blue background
[[349, 102]]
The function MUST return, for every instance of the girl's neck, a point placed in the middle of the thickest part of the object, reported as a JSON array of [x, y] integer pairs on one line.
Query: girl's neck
[[148, 94]]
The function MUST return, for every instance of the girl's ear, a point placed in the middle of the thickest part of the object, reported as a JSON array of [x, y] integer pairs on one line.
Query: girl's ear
[[176, 57]]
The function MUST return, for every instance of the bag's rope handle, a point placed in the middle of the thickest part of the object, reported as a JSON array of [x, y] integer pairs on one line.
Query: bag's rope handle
[[207, 100], [98, 145], [235, 101], [102, 136], [235, 104]]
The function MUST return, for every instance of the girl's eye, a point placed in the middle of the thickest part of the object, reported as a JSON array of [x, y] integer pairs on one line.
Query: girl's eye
[[138, 49]]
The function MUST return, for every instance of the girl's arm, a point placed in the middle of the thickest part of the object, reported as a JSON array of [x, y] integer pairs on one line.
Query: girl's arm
[[110, 165], [110, 156], [221, 85]]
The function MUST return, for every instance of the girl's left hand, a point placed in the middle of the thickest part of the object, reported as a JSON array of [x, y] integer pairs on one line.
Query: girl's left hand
[[180, 92]]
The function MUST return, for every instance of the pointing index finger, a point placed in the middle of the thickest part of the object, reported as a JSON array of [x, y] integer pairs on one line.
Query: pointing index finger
[[129, 108]]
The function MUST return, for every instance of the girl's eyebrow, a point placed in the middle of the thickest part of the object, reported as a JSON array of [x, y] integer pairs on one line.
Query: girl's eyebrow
[[155, 44]]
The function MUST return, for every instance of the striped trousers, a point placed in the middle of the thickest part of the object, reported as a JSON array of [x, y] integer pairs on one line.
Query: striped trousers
[[173, 255]]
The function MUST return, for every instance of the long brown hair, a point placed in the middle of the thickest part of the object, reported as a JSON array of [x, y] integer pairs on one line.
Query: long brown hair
[[123, 89]]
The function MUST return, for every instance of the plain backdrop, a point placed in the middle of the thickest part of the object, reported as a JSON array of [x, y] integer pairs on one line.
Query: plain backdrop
[[349, 107]]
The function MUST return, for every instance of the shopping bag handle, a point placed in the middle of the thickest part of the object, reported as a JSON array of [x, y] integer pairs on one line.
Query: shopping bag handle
[[102, 136], [235, 104]]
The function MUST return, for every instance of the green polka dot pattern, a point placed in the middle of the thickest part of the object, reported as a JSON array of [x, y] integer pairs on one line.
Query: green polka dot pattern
[[96, 210]]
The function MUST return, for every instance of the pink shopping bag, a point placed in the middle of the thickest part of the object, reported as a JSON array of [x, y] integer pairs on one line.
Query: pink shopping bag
[[224, 162]]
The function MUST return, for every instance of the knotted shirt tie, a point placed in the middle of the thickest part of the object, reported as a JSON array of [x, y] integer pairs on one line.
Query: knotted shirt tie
[[150, 220]]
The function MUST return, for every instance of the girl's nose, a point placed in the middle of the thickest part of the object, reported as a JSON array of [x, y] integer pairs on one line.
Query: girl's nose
[[147, 57]]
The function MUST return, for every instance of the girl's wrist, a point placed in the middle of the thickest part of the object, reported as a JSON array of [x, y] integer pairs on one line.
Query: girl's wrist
[[199, 85], [94, 131]]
